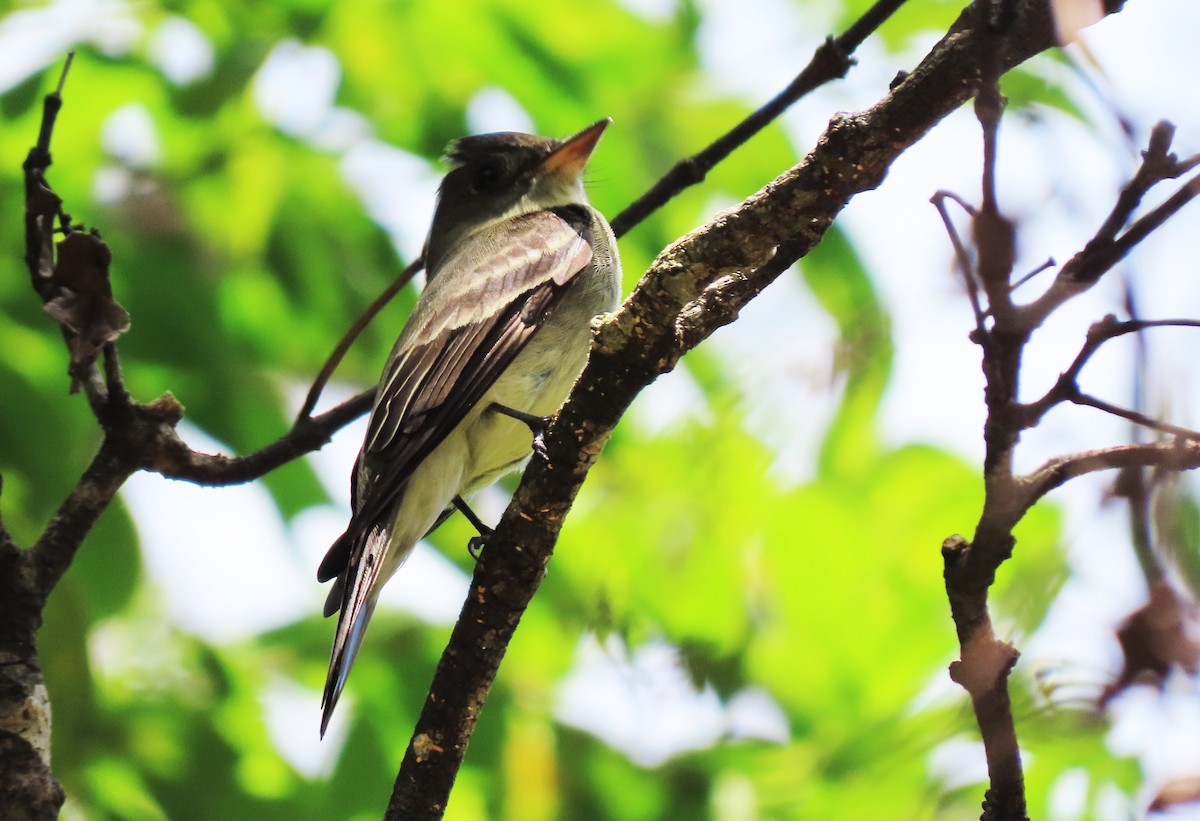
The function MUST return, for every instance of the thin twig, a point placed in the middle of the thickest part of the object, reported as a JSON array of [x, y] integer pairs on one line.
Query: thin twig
[[1136, 417], [1045, 266], [962, 254], [335, 358], [1158, 164], [1105, 249], [1174, 455], [831, 60], [174, 459], [118, 400], [1132, 483], [52, 105], [1137, 232], [1067, 385]]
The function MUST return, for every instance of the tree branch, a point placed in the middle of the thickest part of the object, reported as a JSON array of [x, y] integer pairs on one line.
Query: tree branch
[[364, 319], [985, 663], [635, 345], [1179, 454], [831, 61], [1108, 246], [52, 553], [961, 255], [1138, 418], [1066, 388], [173, 458]]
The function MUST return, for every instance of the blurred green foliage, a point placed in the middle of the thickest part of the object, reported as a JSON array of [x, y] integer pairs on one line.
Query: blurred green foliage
[[243, 255]]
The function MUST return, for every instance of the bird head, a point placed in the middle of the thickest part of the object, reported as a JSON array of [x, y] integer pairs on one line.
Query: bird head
[[495, 177]]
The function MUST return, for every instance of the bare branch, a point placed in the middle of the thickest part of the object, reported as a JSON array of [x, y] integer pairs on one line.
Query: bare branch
[[1045, 266], [335, 358], [171, 457], [1136, 417], [961, 254], [1158, 164], [1094, 266], [117, 399], [1066, 388], [634, 346], [54, 550], [1109, 246], [1174, 455], [985, 662], [830, 61]]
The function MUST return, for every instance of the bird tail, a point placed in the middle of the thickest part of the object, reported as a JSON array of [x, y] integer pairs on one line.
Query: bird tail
[[359, 594]]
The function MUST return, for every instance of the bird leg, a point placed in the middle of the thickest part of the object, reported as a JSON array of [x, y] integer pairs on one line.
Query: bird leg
[[537, 426], [477, 542]]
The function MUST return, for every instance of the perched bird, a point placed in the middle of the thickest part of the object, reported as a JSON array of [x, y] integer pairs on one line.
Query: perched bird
[[518, 263]]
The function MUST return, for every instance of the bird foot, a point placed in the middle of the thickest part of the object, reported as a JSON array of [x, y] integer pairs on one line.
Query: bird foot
[[537, 426], [476, 543]]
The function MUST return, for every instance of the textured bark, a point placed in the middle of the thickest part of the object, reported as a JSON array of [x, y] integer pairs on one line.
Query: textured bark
[[646, 338], [28, 789]]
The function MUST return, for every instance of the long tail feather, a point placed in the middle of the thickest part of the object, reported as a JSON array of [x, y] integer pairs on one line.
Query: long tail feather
[[358, 603]]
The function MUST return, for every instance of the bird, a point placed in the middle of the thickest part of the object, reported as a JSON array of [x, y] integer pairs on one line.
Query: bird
[[518, 263]]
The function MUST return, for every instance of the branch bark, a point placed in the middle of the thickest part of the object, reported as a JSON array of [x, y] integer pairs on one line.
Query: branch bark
[[643, 340]]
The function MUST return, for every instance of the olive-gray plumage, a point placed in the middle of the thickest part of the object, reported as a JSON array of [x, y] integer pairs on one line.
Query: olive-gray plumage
[[518, 263]]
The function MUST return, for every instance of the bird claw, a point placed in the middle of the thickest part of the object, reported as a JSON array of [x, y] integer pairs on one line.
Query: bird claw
[[538, 425], [476, 543], [539, 444]]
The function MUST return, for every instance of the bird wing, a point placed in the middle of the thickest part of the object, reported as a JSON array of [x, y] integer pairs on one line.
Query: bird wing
[[478, 312]]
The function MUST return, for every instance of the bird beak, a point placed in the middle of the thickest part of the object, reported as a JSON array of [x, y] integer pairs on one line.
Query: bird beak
[[567, 161]]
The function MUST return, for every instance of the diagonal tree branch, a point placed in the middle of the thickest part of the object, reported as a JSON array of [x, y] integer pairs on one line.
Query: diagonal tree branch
[[364, 319], [635, 346], [1109, 246], [1066, 387], [1180, 454], [173, 458], [831, 61]]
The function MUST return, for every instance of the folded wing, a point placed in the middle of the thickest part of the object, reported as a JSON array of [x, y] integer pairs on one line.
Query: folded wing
[[476, 315]]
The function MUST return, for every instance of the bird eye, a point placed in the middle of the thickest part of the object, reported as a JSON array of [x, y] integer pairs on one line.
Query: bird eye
[[486, 176]]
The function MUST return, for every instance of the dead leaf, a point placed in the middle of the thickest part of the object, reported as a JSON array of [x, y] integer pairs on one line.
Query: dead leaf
[[1161, 635], [83, 302]]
